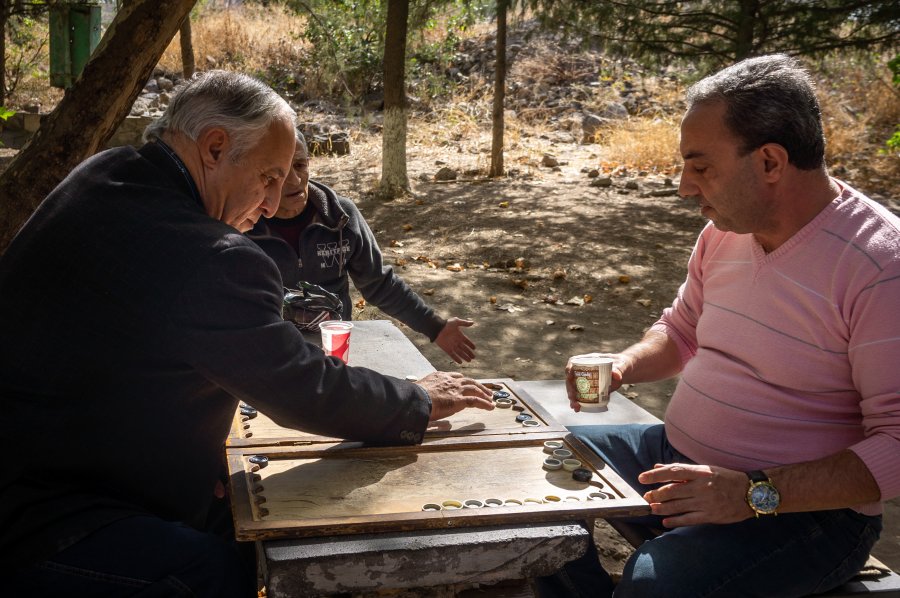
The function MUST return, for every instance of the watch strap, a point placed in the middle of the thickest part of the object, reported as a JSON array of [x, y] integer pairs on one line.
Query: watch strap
[[758, 476]]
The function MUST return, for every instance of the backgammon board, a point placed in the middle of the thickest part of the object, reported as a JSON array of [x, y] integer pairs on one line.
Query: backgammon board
[[453, 482], [253, 428]]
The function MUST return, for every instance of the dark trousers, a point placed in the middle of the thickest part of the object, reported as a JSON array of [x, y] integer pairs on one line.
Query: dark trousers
[[147, 557], [793, 554]]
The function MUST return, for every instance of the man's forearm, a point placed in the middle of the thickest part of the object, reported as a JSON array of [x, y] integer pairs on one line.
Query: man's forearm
[[839, 481], [654, 357]]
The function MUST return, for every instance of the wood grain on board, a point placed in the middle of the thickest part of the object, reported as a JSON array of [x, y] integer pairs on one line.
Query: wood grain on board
[[260, 430], [341, 488]]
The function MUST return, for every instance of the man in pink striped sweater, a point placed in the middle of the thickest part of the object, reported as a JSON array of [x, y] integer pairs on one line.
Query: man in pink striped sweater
[[787, 338]]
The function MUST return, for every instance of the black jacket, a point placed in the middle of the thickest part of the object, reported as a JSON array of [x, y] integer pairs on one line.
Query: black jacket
[[339, 242], [131, 325]]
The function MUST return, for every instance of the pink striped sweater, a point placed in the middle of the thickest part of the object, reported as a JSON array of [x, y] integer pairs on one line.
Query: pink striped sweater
[[795, 355]]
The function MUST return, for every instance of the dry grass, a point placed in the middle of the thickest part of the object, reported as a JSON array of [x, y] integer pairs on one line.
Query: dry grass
[[860, 106], [860, 110], [248, 38], [642, 143]]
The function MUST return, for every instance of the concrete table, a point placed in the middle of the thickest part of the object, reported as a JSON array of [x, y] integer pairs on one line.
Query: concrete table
[[322, 566], [551, 394]]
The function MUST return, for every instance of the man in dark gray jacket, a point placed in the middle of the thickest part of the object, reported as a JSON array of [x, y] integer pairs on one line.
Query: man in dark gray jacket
[[134, 316], [322, 238]]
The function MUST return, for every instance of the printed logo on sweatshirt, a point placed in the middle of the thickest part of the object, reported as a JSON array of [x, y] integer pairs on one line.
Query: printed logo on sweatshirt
[[329, 253]]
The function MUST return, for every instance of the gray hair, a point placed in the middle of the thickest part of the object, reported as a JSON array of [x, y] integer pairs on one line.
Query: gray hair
[[241, 105], [768, 99], [301, 141]]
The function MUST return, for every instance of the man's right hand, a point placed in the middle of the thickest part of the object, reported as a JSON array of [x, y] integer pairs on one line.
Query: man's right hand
[[451, 392], [620, 361]]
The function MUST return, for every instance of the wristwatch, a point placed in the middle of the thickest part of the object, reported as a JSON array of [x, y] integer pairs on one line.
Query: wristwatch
[[762, 496]]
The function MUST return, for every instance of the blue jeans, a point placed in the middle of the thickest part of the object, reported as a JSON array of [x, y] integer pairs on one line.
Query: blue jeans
[[792, 554], [145, 557]]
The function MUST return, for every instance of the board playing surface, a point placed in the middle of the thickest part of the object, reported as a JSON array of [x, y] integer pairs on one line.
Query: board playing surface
[[353, 490], [260, 430]]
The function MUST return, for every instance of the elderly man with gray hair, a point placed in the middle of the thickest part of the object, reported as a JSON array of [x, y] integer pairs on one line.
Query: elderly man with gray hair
[[135, 316]]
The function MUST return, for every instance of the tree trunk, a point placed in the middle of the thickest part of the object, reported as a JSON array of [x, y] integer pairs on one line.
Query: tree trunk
[[4, 17], [187, 48], [743, 39], [499, 92], [394, 180], [92, 108]]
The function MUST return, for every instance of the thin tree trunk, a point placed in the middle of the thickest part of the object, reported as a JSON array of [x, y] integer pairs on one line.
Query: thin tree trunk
[[102, 97], [4, 17], [499, 92], [394, 180], [187, 48], [743, 43]]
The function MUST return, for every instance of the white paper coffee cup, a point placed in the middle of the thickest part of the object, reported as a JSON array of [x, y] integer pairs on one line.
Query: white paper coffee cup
[[592, 378]]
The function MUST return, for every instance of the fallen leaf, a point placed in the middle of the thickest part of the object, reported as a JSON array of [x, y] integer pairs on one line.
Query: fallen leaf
[[361, 303], [401, 261], [407, 227], [551, 299], [428, 292], [624, 279], [520, 262], [520, 282], [588, 298], [396, 243], [644, 302], [455, 268], [559, 274], [420, 202], [509, 307], [550, 322], [576, 327], [575, 301], [493, 299], [504, 204]]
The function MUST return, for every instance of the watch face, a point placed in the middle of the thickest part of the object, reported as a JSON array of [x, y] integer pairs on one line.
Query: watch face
[[764, 497]]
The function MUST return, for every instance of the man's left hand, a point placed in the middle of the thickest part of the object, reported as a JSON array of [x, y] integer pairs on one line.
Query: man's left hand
[[454, 342], [697, 494]]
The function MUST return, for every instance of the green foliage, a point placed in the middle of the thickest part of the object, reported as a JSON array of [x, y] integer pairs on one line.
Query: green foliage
[[25, 50], [5, 113], [893, 143], [894, 65], [347, 38], [718, 32]]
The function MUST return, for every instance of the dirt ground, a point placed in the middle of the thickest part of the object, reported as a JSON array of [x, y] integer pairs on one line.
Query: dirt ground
[[547, 265]]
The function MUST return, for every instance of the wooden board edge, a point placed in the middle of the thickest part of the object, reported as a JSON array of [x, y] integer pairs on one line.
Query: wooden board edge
[[409, 522], [623, 488]]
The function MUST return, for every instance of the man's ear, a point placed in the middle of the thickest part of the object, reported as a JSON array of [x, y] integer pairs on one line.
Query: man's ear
[[213, 144], [774, 160]]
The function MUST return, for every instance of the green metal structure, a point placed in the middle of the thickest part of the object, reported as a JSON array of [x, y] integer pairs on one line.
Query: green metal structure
[[74, 33]]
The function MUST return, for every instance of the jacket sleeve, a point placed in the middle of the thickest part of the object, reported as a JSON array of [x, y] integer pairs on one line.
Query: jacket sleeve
[[278, 250], [379, 284], [236, 337]]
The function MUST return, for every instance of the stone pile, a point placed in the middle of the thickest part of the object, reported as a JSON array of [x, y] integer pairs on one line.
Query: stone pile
[[557, 82]]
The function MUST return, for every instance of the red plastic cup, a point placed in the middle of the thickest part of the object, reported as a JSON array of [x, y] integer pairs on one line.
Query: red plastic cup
[[336, 338]]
